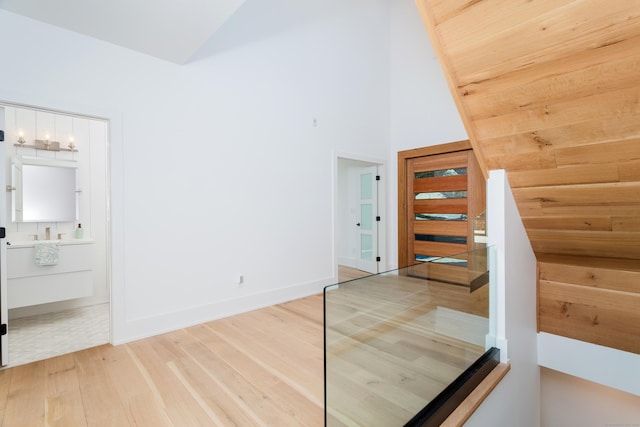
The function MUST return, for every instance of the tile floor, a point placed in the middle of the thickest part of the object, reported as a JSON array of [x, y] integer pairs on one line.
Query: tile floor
[[52, 334]]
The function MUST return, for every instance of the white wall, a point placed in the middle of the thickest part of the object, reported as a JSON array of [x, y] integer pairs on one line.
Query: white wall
[[217, 169], [516, 399], [604, 365], [572, 401], [90, 139], [423, 112]]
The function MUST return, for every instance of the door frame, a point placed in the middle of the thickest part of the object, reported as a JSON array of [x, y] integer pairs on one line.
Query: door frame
[[382, 208], [113, 132], [403, 197], [4, 306]]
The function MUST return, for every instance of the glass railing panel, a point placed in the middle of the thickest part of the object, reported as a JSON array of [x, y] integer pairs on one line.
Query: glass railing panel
[[396, 340]]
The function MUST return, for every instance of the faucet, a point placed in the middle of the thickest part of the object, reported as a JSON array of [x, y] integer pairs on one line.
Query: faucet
[[47, 233]]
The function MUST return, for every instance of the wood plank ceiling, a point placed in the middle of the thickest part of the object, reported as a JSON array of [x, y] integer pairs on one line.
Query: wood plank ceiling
[[549, 90]]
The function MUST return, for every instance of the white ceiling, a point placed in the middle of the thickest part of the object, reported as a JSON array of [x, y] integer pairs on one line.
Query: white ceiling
[[169, 29]]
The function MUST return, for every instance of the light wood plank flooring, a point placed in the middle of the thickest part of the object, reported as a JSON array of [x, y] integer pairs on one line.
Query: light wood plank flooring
[[349, 273], [263, 368], [394, 343]]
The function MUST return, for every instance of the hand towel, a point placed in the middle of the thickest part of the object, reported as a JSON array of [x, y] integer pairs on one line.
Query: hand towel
[[47, 253]]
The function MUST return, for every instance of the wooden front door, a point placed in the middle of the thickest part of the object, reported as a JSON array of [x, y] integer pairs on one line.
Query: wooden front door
[[442, 194]]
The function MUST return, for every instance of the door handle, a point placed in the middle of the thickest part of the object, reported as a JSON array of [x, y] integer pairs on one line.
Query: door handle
[[358, 224]]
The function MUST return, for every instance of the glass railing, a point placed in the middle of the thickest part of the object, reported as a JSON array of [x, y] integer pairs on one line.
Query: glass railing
[[400, 345]]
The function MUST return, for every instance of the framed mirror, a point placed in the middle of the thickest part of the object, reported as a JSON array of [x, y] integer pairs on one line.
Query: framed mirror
[[45, 190]]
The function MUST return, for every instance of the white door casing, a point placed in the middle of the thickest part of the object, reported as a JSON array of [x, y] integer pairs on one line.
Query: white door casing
[[4, 311]]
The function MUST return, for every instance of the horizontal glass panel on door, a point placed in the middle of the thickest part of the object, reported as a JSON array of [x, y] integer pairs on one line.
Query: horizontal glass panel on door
[[441, 172], [436, 238], [440, 217], [441, 195]]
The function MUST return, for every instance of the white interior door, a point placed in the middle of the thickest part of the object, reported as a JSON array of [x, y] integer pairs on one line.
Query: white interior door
[[4, 311], [367, 244]]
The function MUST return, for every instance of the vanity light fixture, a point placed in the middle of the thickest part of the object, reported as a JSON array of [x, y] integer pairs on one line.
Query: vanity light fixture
[[21, 139], [47, 143]]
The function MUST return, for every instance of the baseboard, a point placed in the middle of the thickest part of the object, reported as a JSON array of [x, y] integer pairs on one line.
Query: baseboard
[[348, 262], [133, 330]]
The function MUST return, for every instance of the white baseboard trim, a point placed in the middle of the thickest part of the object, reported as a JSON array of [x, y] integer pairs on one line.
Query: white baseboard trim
[[133, 330], [348, 262]]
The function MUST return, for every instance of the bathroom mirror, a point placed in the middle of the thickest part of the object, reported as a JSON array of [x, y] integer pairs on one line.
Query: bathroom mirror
[[44, 190]]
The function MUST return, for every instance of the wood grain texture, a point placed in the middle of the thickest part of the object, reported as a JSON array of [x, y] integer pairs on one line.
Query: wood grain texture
[[597, 274], [559, 113], [438, 248], [593, 315], [473, 401], [591, 299], [256, 369], [444, 228], [444, 156], [261, 368], [379, 331], [606, 244]]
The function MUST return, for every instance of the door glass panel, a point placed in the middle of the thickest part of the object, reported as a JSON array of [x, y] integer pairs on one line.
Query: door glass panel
[[442, 172], [366, 186], [443, 239], [425, 258], [366, 216], [440, 217], [366, 247], [441, 195]]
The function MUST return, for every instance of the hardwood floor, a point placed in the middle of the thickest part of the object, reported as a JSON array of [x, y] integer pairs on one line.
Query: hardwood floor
[[349, 273], [263, 368], [394, 343]]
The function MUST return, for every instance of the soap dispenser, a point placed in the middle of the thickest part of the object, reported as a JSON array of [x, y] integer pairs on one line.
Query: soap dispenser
[[79, 232]]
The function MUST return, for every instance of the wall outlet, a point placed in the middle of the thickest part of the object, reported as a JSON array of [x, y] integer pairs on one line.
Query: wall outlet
[[240, 279]]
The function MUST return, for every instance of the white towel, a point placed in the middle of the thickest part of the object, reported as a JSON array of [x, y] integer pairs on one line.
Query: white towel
[[47, 253]]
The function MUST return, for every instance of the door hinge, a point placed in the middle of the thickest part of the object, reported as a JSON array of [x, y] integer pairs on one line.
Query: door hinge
[[3, 232], [377, 218], [377, 177], [377, 259], [3, 329]]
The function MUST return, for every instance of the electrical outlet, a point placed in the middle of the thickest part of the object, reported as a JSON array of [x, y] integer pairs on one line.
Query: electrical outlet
[[240, 279]]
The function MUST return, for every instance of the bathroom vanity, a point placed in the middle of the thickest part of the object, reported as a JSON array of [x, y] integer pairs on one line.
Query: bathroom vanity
[[31, 284]]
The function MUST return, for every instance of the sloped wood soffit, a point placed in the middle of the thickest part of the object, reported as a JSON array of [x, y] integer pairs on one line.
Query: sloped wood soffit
[[549, 90]]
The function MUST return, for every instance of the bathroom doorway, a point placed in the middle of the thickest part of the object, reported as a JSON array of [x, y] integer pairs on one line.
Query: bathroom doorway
[[360, 221], [62, 305]]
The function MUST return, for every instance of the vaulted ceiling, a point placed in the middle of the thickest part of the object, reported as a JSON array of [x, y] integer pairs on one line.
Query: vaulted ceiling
[[549, 90], [170, 30]]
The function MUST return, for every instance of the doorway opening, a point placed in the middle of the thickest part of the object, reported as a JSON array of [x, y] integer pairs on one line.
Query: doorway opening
[[360, 221], [63, 305]]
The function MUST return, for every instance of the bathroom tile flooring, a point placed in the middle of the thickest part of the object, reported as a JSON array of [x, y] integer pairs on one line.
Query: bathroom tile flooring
[[52, 334]]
